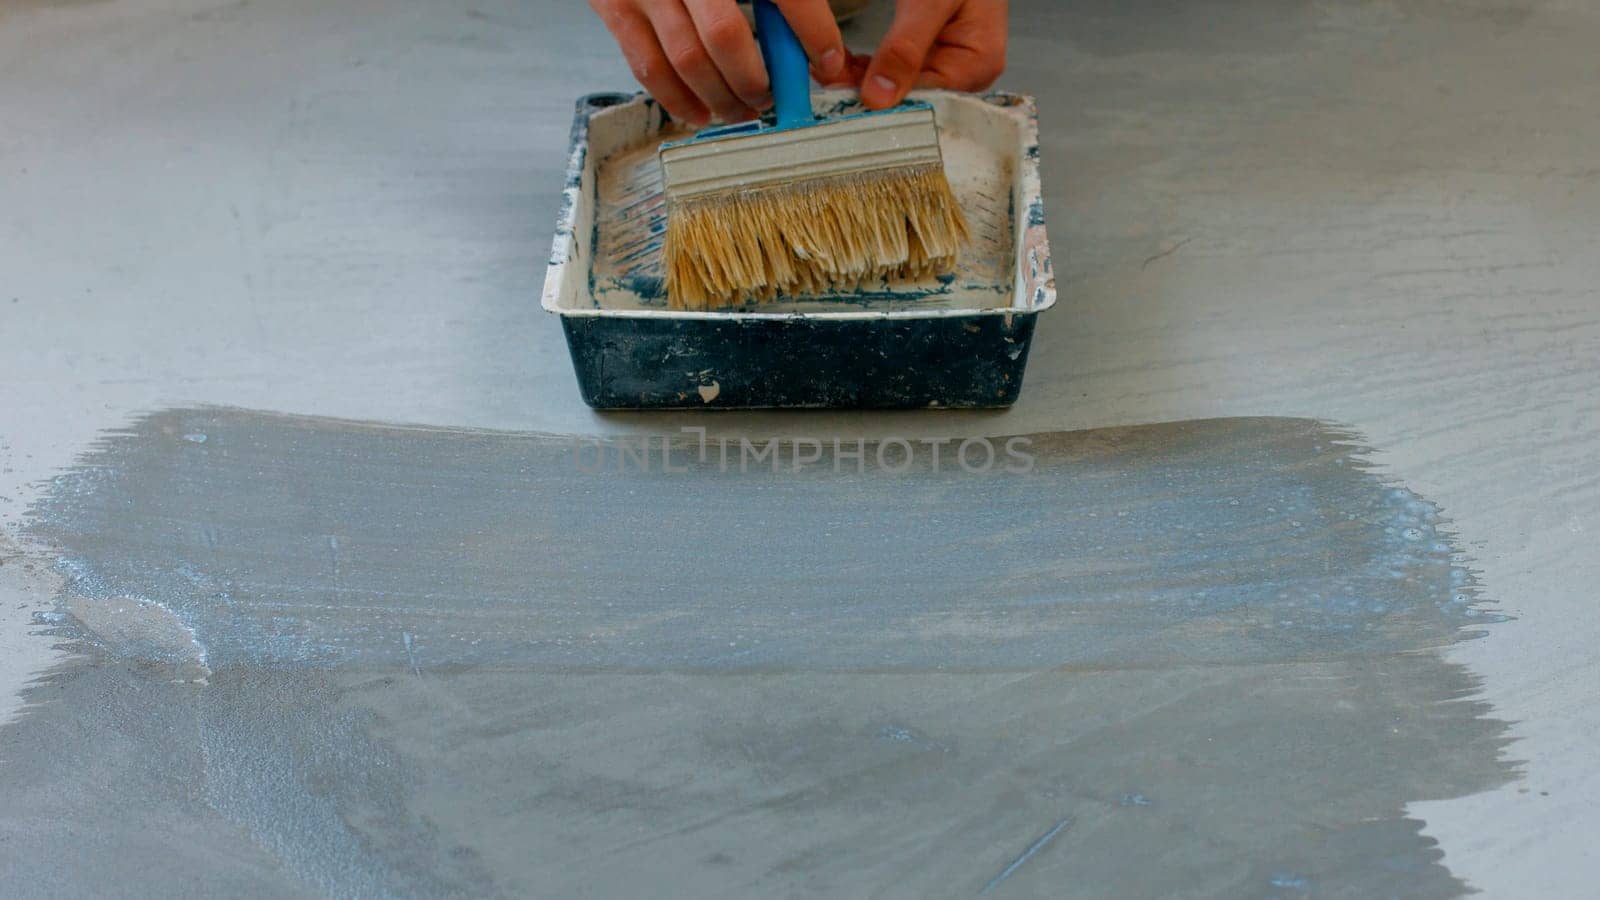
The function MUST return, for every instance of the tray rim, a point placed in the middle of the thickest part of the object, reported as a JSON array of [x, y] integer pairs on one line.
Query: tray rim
[[1033, 236]]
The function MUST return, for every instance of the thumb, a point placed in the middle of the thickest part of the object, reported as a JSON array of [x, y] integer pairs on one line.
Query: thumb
[[899, 57]]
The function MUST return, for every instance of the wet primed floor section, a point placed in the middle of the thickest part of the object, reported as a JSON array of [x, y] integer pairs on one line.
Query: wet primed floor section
[[321, 656]]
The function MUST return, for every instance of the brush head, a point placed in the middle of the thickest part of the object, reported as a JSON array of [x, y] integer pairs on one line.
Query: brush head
[[754, 213]]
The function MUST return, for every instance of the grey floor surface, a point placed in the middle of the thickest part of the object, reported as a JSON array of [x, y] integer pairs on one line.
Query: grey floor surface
[[1380, 216]]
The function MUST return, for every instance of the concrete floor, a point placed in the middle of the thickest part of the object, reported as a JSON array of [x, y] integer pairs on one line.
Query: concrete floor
[[1380, 215]]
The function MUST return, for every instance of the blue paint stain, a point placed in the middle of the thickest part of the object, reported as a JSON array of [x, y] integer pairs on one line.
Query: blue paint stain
[[646, 287], [901, 735], [650, 288], [866, 297]]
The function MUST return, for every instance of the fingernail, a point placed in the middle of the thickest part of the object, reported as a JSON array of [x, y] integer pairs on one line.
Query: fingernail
[[885, 83], [831, 63], [765, 103]]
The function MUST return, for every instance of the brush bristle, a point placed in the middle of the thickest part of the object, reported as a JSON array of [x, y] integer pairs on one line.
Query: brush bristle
[[830, 234]]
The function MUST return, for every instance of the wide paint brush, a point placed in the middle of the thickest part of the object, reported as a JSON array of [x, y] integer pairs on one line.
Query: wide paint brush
[[803, 205]]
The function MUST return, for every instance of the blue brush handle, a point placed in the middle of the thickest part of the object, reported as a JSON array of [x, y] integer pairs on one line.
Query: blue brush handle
[[787, 67]]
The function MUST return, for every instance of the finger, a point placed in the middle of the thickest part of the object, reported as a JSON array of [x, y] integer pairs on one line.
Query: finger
[[970, 52], [899, 57], [692, 62], [818, 31], [727, 37], [853, 72], [648, 62], [961, 69]]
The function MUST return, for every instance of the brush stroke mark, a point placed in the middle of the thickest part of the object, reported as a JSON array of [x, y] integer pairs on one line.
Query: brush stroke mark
[[1165, 253], [1269, 541], [411, 656], [1214, 646], [1026, 855]]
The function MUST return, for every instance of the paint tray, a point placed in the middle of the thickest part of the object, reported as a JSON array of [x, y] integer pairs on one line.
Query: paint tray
[[958, 341]]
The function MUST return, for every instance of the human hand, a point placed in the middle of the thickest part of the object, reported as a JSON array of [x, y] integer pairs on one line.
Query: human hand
[[698, 58], [959, 45]]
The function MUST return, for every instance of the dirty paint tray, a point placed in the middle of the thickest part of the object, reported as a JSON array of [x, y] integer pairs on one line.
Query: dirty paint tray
[[958, 341]]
